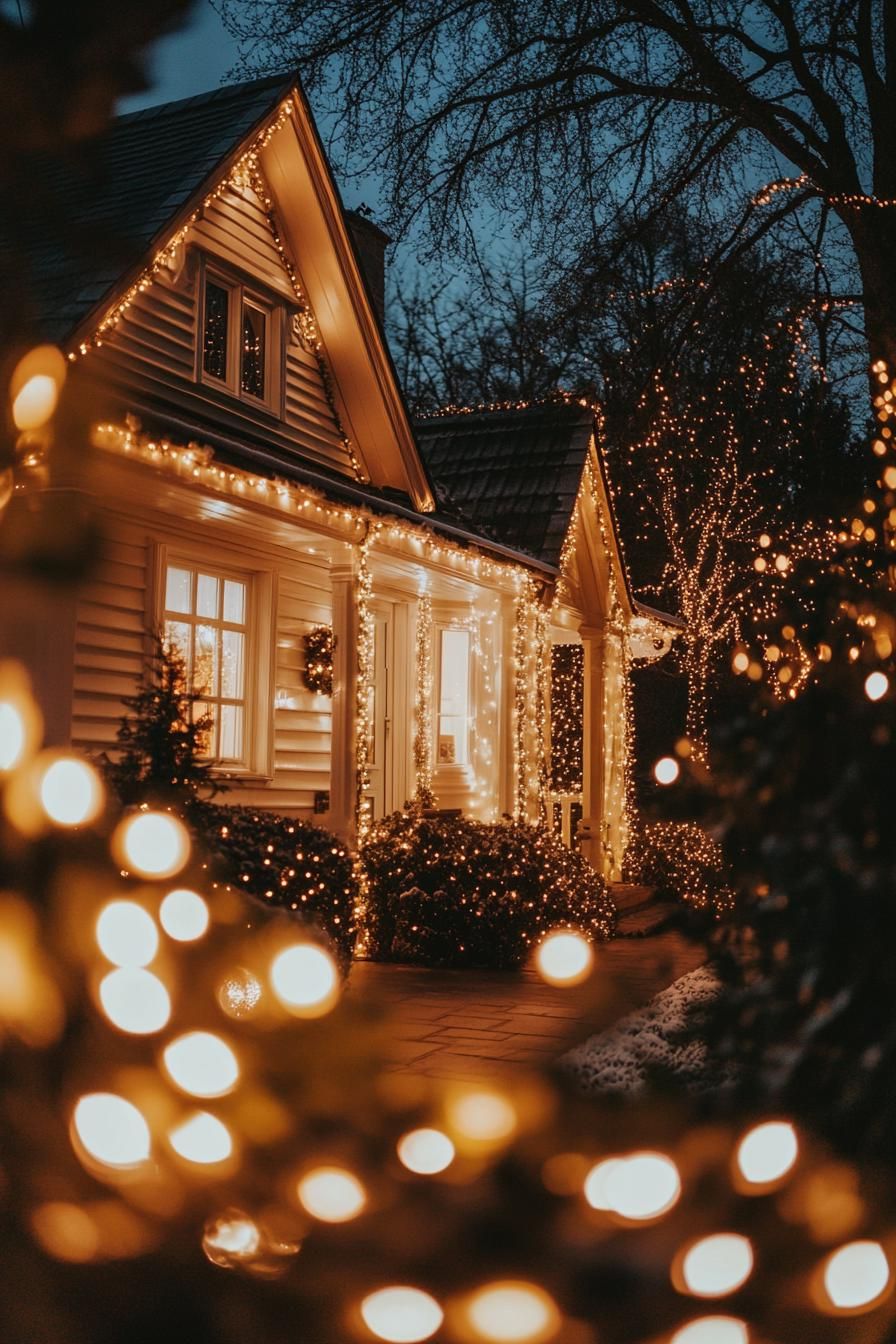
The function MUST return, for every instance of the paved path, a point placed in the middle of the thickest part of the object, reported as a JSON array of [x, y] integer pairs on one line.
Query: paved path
[[466, 1024]]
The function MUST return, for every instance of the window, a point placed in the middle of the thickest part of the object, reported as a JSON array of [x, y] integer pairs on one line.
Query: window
[[206, 616], [454, 720], [239, 340]]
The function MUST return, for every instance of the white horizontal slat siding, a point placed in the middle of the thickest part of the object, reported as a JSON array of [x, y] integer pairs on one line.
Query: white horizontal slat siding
[[303, 724], [109, 639], [110, 645], [234, 228]]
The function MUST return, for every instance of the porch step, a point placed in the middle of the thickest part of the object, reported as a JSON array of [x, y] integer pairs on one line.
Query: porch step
[[630, 896], [640, 913]]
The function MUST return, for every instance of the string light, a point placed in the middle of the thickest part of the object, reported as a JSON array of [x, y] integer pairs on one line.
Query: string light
[[423, 693]]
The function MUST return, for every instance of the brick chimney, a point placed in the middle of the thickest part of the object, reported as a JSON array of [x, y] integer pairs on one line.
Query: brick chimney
[[370, 244]]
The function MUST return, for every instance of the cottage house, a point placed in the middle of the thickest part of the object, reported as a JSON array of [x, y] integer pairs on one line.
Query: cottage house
[[260, 485]]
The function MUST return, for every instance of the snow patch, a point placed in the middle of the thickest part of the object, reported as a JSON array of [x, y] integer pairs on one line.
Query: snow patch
[[622, 1059]]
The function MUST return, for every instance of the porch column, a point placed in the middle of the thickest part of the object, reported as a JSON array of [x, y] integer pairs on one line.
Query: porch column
[[343, 759], [591, 827]]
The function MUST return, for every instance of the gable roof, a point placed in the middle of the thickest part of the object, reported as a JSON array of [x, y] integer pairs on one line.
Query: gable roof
[[123, 189], [120, 199], [514, 474]]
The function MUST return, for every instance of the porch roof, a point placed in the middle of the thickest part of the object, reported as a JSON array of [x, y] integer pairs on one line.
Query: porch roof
[[512, 474]]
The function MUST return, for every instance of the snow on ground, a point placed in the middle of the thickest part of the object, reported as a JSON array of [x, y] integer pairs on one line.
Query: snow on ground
[[620, 1059]]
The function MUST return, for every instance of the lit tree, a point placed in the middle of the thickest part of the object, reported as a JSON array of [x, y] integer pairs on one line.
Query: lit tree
[[728, 543]]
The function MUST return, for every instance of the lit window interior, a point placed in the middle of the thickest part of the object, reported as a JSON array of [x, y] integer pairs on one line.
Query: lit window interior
[[452, 747], [205, 618], [253, 350], [214, 345]]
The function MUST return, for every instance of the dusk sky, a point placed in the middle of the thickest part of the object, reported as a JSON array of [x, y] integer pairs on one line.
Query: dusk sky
[[191, 60]]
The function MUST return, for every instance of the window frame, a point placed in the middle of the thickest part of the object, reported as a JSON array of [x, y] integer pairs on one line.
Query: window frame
[[241, 291], [259, 659]]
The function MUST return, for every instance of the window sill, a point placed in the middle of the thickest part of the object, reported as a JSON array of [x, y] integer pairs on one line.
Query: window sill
[[238, 776]]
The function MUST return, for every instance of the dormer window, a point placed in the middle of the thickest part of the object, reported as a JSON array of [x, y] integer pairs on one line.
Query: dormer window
[[240, 340]]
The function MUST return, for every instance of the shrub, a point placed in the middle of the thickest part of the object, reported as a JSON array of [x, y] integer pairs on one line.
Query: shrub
[[285, 863], [448, 891], [682, 862]]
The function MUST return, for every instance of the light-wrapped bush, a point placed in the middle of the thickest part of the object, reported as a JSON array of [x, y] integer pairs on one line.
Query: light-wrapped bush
[[449, 891], [283, 862], [682, 863]]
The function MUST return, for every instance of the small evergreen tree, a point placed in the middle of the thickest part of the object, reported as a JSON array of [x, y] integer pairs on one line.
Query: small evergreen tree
[[161, 739]]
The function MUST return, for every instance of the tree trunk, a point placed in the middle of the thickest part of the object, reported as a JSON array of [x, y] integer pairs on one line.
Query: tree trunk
[[696, 720]]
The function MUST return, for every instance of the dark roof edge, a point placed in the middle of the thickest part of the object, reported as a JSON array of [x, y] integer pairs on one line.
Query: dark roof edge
[[218, 94]]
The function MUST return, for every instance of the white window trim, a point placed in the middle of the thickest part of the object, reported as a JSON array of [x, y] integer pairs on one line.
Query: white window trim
[[240, 291], [258, 764]]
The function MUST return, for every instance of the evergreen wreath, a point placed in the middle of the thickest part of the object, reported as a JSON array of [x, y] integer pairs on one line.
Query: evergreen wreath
[[318, 671]]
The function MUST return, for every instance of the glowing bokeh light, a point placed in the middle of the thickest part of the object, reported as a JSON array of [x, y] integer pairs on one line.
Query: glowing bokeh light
[[239, 993], [596, 1183], [767, 1152], [401, 1315], [111, 1130], [876, 685], [35, 385], [67, 1231], [713, 1330], [184, 915], [513, 1312], [153, 844], [426, 1151], [717, 1265], [71, 792], [35, 403], [231, 1236], [666, 770], [856, 1275], [126, 934], [135, 1000], [331, 1194], [483, 1116], [201, 1064], [642, 1186], [305, 979], [202, 1138], [564, 958], [13, 735]]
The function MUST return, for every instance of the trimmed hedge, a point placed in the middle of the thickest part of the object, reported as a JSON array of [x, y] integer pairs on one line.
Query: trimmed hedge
[[284, 863], [449, 891], [682, 862]]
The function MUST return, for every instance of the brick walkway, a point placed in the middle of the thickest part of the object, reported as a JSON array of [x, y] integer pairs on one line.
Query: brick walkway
[[465, 1024]]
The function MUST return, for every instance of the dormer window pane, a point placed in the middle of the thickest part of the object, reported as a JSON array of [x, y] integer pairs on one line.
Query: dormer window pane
[[253, 351], [214, 348]]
